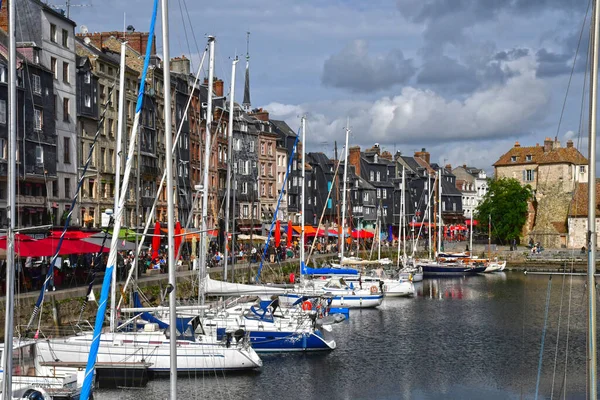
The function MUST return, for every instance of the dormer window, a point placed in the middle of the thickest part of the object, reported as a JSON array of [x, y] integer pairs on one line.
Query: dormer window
[[528, 157], [513, 159], [375, 158]]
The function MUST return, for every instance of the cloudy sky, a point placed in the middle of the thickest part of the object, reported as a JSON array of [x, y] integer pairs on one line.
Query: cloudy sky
[[463, 78]]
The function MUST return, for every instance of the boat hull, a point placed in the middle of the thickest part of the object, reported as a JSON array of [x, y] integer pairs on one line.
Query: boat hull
[[339, 300], [191, 356], [449, 270]]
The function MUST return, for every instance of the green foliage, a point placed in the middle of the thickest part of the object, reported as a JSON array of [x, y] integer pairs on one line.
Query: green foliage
[[506, 203]]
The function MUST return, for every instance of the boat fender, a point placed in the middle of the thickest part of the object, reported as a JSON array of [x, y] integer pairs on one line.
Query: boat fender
[[373, 289], [306, 305], [35, 394]]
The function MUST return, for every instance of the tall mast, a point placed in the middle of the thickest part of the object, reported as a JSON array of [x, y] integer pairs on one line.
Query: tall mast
[[401, 219], [302, 195], [403, 213], [344, 189], [121, 119], [429, 213], [337, 201], [170, 210], [229, 162], [591, 282], [207, 146], [11, 203], [440, 228], [471, 234]]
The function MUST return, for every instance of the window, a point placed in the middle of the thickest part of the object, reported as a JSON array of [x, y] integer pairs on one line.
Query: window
[[3, 112], [3, 72], [39, 155], [87, 78], [378, 176], [528, 157], [68, 188], [88, 100], [53, 33], [37, 119], [371, 176], [529, 175], [37, 84], [244, 187], [109, 126], [67, 151], [54, 67], [378, 193], [36, 56], [65, 38], [3, 148], [110, 70], [513, 159], [65, 72], [262, 148], [245, 209], [581, 168], [366, 196], [66, 113], [251, 147], [384, 193]]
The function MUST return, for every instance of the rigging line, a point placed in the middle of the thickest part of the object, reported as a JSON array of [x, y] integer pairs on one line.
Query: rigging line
[[539, 372], [562, 290], [564, 381], [191, 26], [562, 111], [312, 247], [150, 214], [186, 35], [50, 272]]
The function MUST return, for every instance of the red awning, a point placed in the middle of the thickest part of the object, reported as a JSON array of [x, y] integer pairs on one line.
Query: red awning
[[468, 222]]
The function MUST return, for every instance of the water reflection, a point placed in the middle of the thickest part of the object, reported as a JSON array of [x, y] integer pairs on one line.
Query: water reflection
[[458, 338]]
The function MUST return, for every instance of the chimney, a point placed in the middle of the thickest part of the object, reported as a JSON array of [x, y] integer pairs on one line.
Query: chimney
[[449, 167], [569, 143], [136, 40], [354, 158], [218, 87], [517, 144], [547, 145], [180, 65], [386, 155], [465, 166], [261, 114], [423, 155]]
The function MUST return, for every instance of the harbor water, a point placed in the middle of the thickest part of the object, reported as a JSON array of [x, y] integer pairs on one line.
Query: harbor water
[[459, 338]]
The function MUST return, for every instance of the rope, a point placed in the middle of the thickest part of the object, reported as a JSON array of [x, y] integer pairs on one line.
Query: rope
[[539, 373]]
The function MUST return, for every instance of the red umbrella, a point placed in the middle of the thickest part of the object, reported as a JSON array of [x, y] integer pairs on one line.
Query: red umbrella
[[277, 233], [289, 234], [72, 234], [68, 246], [177, 238], [24, 245], [156, 240], [362, 234]]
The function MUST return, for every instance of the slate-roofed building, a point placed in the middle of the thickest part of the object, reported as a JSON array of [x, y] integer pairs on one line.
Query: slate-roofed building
[[472, 183], [36, 138]]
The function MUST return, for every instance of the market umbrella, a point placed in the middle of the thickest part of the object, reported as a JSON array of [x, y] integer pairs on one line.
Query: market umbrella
[[24, 245], [156, 240], [177, 238], [277, 233], [289, 234], [122, 245], [362, 234], [68, 246]]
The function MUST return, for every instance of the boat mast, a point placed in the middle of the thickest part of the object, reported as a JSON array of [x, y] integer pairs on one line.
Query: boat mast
[[121, 119], [344, 189], [229, 162], [429, 212], [170, 210], [489, 237], [440, 229], [403, 213], [7, 364], [471, 234], [591, 282], [401, 220], [208, 123], [303, 194]]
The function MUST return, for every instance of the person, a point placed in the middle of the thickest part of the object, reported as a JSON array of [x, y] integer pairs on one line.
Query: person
[[582, 249], [381, 286], [514, 244], [360, 281]]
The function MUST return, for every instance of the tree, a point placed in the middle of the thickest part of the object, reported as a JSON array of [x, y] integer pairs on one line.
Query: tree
[[506, 202]]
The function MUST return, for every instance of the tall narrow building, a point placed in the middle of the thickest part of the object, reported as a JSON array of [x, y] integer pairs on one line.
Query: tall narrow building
[[246, 103]]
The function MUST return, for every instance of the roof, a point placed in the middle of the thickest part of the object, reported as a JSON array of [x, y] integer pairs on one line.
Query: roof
[[282, 127], [579, 202], [557, 155]]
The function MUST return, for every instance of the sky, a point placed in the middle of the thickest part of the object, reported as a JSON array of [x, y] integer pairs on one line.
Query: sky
[[464, 79]]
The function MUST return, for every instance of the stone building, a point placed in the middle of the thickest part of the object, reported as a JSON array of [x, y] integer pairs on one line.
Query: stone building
[[472, 183], [553, 173], [36, 138], [282, 167], [52, 34], [577, 222]]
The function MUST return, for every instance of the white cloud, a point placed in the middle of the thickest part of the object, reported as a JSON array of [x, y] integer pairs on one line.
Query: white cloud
[[422, 117]]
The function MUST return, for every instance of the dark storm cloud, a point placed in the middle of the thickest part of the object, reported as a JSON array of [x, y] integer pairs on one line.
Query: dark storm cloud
[[353, 68]]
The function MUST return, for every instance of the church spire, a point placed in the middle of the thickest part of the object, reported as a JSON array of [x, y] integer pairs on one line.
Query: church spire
[[246, 103]]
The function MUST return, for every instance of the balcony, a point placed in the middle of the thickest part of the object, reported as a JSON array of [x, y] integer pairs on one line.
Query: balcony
[[30, 200]]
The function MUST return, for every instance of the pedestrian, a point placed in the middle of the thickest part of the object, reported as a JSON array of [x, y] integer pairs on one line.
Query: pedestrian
[[514, 244]]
